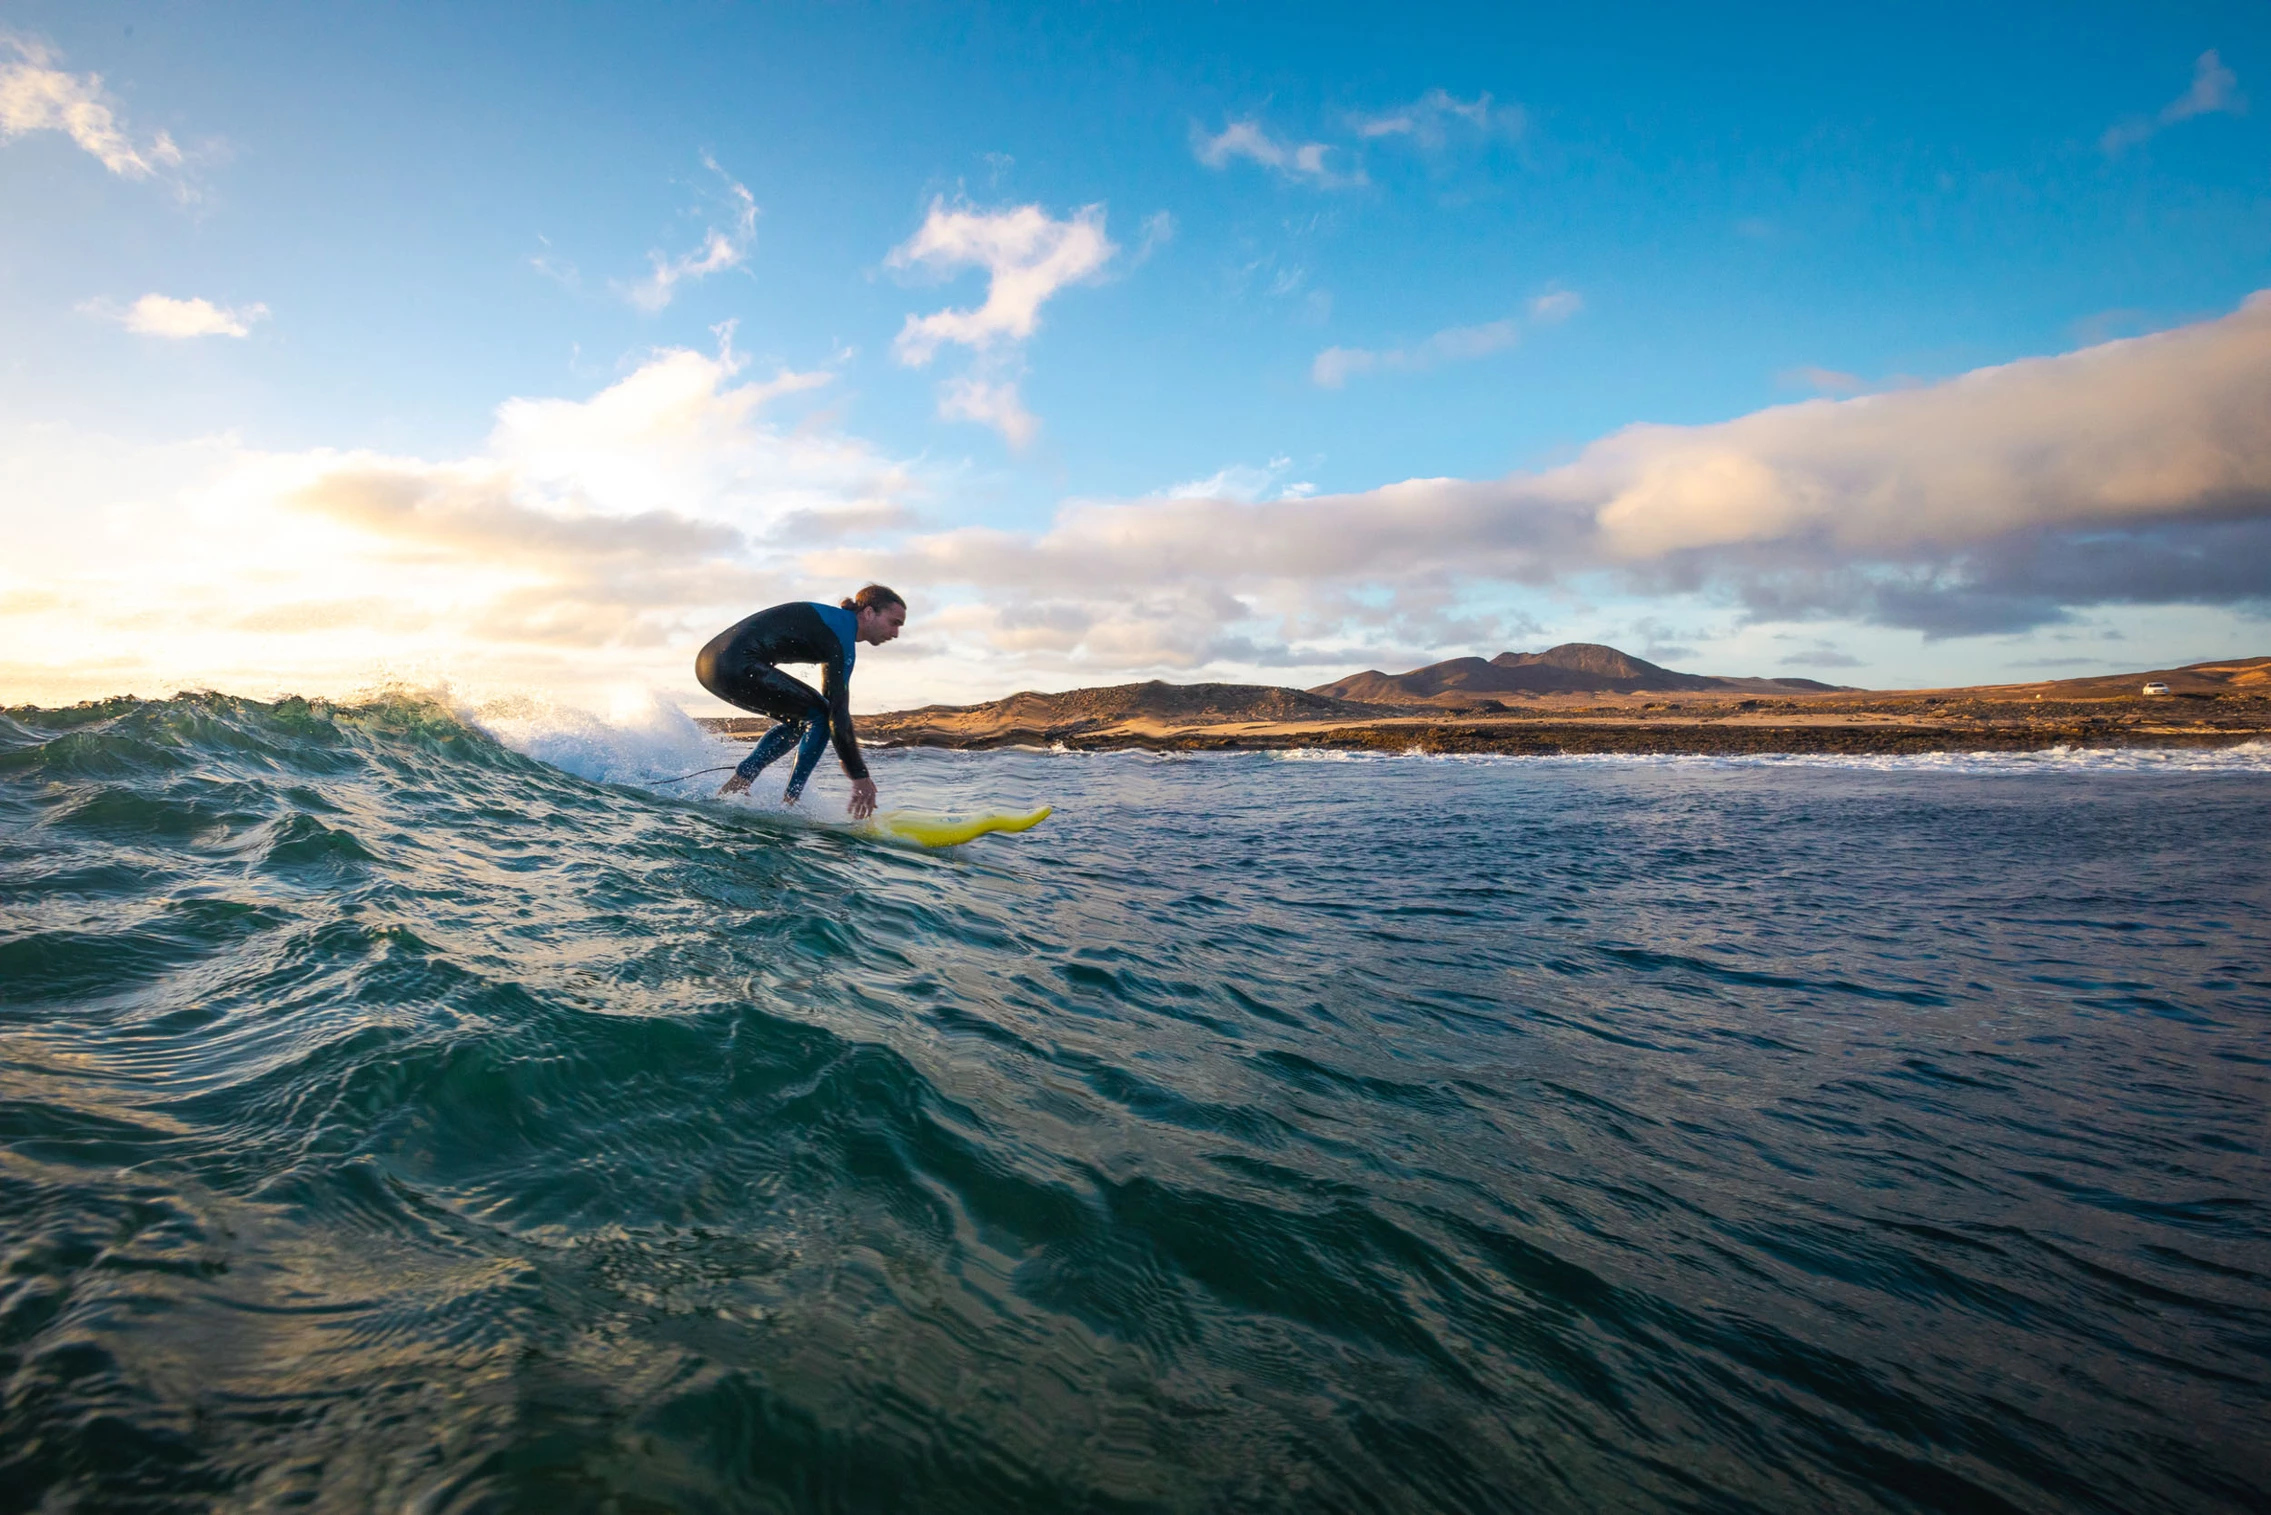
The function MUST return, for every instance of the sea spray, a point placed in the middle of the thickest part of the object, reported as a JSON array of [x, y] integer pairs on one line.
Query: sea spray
[[642, 740]]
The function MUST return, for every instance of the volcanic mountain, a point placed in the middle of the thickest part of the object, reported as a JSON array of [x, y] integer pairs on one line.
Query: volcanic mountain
[[1571, 668]]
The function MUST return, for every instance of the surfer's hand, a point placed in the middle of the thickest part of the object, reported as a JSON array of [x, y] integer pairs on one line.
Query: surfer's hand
[[863, 799]]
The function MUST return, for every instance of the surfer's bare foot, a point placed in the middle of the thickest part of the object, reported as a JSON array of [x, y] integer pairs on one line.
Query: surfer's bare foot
[[735, 785]]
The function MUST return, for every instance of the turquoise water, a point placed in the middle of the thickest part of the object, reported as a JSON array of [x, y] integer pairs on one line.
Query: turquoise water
[[407, 1111]]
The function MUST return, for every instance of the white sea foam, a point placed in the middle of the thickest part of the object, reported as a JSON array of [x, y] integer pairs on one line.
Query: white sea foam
[[2252, 757], [642, 740], [2245, 758]]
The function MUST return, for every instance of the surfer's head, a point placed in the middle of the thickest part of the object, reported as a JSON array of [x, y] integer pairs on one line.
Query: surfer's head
[[881, 613]]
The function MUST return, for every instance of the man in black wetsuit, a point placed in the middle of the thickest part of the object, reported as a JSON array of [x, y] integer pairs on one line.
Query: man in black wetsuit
[[740, 666]]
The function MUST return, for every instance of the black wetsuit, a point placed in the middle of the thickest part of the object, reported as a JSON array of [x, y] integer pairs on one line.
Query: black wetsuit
[[741, 666]]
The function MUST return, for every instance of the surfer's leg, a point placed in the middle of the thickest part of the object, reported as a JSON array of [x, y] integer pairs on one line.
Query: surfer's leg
[[769, 746], [765, 689], [808, 756]]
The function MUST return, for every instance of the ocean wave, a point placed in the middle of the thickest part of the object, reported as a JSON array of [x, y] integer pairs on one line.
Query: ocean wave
[[418, 1106]]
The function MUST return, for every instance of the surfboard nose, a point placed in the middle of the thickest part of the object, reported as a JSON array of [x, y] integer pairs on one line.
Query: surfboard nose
[[947, 831]]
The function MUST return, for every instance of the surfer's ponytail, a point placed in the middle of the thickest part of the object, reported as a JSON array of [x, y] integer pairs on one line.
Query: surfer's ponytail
[[874, 597]]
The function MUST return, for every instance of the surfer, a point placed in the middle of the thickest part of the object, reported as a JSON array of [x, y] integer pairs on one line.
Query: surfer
[[741, 667]]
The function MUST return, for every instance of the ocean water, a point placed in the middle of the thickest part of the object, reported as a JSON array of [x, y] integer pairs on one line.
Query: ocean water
[[409, 1109]]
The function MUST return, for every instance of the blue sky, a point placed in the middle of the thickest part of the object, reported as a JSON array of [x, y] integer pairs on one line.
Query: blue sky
[[1305, 261]]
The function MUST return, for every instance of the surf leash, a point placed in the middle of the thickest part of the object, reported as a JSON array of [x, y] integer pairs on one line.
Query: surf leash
[[697, 773]]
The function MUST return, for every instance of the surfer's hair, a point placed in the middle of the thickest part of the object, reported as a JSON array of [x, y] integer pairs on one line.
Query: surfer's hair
[[875, 597]]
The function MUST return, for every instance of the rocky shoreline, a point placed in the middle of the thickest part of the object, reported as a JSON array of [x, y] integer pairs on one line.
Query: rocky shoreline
[[1886, 728], [2201, 706]]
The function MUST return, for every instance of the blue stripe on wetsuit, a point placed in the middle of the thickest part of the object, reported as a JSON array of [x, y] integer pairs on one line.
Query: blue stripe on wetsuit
[[846, 625]]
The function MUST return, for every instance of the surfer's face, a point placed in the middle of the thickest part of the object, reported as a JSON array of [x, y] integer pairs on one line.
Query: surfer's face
[[878, 626]]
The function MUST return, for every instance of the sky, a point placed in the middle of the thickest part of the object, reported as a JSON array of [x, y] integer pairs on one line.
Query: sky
[[521, 348]]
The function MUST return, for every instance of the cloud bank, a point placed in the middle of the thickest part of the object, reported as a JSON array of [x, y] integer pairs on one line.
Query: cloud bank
[[2134, 472], [589, 542], [601, 540]]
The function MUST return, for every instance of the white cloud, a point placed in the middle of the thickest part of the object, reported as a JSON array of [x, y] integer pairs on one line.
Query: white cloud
[[1028, 256], [721, 249], [1158, 230], [681, 432], [1827, 381], [1556, 305], [156, 315], [1429, 120], [554, 267], [1247, 139], [1244, 482], [988, 402], [1428, 123], [35, 96], [1460, 343], [1335, 366], [2215, 88]]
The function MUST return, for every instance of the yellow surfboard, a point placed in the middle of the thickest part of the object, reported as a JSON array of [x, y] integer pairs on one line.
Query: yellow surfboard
[[943, 831]]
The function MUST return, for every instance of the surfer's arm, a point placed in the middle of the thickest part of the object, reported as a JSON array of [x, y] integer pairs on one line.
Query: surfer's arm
[[836, 687]]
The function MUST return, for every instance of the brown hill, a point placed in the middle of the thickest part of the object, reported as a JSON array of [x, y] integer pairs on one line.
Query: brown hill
[[1077, 711], [1572, 668], [2224, 676]]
